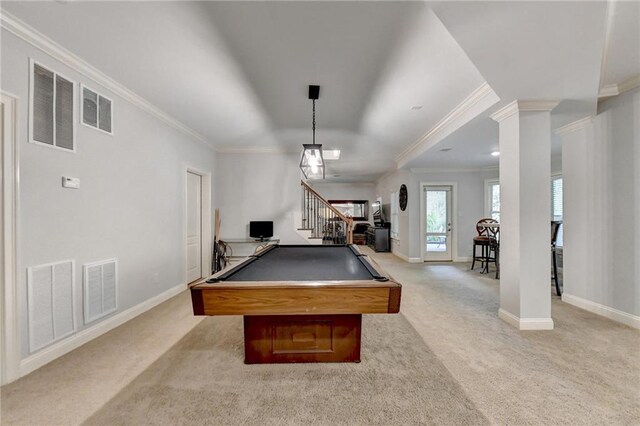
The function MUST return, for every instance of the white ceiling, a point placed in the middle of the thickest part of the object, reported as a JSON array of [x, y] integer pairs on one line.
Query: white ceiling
[[237, 72]]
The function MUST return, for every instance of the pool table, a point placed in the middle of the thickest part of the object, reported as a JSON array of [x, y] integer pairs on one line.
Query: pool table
[[301, 303]]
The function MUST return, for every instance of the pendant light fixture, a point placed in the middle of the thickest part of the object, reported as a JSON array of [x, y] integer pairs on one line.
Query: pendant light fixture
[[312, 163]]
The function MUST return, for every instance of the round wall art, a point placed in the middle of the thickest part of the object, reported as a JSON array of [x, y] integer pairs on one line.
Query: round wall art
[[402, 197]]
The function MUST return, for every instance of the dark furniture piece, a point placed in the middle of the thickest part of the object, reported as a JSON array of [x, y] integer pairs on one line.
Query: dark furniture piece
[[300, 303], [379, 238], [488, 242], [360, 233], [555, 227]]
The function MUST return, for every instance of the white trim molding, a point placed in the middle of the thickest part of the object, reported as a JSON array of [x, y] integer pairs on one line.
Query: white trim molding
[[10, 338], [523, 106], [230, 149], [605, 311], [454, 170], [617, 89], [573, 126], [477, 102], [30, 35], [406, 258], [62, 347], [525, 323]]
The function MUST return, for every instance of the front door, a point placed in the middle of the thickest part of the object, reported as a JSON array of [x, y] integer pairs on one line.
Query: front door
[[437, 223], [194, 227]]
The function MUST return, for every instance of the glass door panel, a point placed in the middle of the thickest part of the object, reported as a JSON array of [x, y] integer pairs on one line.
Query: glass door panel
[[437, 241]]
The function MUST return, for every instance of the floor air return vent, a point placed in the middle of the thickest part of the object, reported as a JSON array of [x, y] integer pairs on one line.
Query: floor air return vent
[[50, 295], [100, 289]]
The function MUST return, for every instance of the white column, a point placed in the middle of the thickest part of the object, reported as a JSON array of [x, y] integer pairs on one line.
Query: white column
[[525, 214]]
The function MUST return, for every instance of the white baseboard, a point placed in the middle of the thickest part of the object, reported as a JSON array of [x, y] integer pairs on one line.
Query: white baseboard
[[606, 311], [56, 350], [407, 258], [526, 323], [462, 259]]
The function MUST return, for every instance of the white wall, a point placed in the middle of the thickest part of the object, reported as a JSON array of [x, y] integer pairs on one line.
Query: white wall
[[259, 187], [130, 204], [601, 171], [347, 191], [470, 201]]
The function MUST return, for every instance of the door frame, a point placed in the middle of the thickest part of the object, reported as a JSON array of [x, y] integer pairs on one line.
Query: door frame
[[10, 338], [205, 218], [454, 218]]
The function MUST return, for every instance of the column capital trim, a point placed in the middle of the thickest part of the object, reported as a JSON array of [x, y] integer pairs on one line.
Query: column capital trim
[[573, 126], [523, 106]]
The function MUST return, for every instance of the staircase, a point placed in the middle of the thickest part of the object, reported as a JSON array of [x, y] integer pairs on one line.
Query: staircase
[[324, 223]]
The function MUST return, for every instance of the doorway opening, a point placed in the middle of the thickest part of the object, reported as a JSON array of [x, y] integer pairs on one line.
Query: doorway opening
[[437, 222]]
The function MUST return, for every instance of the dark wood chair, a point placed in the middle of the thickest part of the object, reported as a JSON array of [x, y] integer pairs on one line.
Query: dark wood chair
[[487, 241], [555, 227]]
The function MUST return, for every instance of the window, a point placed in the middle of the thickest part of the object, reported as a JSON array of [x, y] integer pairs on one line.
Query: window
[[96, 110], [51, 111], [556, 205], [492, 208], [492, 201], [394, 215]]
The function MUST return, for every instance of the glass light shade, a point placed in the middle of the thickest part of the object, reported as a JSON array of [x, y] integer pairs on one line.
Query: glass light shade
[[312, 163]]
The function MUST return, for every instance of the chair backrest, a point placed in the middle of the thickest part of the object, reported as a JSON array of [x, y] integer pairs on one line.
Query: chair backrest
[[555, 227], [486, 231]]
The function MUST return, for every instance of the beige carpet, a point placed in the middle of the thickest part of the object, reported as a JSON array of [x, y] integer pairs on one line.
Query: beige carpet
[[203, 380]]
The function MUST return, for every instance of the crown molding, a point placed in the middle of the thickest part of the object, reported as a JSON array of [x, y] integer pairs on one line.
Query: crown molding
[[478, 101], [629, 84], [40, 41], [523, 106], [230, 149], [573, 126], [618, 89], [454, 170], [608, 91]]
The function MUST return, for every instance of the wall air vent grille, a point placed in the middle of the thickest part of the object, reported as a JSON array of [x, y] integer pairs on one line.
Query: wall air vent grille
[[100, 289], [50, 296]]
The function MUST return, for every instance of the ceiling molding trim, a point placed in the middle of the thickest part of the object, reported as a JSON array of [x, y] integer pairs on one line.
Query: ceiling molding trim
[[630, 84], [617, 89], [523, 106], [608, 91], [608, 30], [573, 126], [229, 149], [477, 102], [454, 170], [40, 41]]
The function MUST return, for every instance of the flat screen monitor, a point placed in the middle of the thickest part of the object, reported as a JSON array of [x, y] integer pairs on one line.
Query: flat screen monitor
[[261, 229]]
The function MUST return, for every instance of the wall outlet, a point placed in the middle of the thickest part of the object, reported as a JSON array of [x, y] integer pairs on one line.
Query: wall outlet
[[70, 182]]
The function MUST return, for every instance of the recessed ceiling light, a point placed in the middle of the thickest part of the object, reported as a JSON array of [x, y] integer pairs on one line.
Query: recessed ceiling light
[[416, 107], [495, 153], [446, 149], [331, 154]]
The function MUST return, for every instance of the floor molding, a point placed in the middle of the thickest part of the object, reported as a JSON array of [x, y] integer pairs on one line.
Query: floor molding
[[605, 311], [56, 350], [525, 323], [407, 258]]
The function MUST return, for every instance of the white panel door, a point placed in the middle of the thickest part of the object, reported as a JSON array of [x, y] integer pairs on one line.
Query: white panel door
[[437, 238], [194, 227]]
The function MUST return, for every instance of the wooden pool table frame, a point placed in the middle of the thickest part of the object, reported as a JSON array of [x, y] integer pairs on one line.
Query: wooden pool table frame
[[299, 321]]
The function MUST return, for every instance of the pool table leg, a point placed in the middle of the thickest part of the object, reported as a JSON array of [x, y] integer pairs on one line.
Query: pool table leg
[[302, 338]]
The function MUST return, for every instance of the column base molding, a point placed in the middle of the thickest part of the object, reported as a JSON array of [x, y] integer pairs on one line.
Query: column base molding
[[526, 323]]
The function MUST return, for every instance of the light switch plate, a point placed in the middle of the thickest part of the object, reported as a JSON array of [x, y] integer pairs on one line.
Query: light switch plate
[[70, 182]]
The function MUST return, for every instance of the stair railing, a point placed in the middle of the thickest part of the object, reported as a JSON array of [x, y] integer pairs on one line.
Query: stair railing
[[323, 220]]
